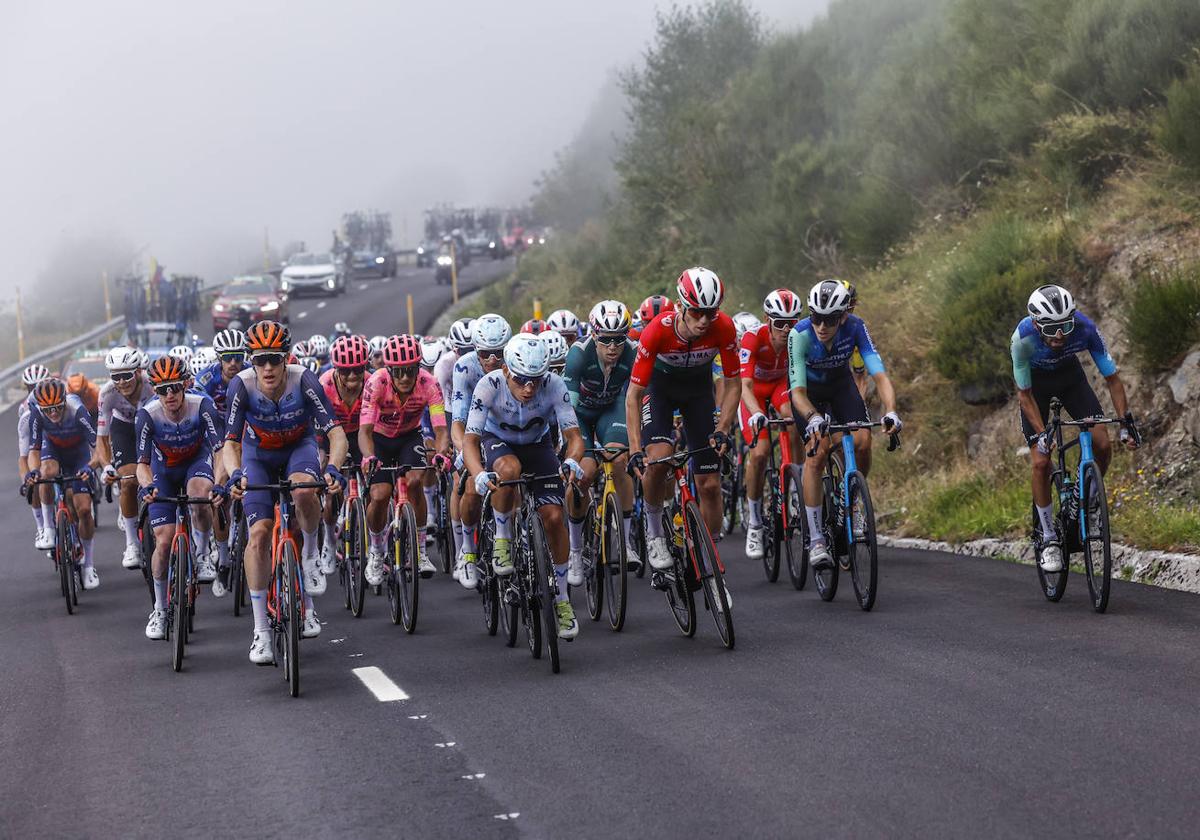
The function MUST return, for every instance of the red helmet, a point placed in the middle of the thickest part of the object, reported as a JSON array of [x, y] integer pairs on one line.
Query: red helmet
[[166, 369], [349, 351], [534, 326], [402, 351], [654, 306], [700, 288]]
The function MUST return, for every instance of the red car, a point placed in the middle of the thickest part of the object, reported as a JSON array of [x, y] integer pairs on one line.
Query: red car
[[245, 300]]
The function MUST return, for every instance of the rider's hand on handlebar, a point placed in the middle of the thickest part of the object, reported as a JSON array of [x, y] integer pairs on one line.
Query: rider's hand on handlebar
[[817, 424], [236, 484], [571, 469], [370, 463], [757, 422], [1042, 442], [1129, 436], [147, 493], [891, 423], [719, 441], [32, 476], [484, 482], [636, 464], [109, 474], [334, 480]]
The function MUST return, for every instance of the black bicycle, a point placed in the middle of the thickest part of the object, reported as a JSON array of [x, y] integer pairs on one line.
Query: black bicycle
[[68, 551], [182, 587]]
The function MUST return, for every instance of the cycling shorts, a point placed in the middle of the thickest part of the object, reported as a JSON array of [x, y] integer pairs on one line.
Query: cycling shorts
[[839, 398], [267, 466], [70, 462], [408, 450], [121, 439], [774, 394], [173, 482], [694, 400], [1070, 384], [353, 453], [604, 426], [536, 458]]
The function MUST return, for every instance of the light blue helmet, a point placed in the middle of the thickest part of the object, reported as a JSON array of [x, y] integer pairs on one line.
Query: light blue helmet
[[490, 332], [527, 355], [556, 346]]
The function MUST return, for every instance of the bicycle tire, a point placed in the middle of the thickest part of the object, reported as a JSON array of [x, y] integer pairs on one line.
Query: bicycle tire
[[544, 593], [864, 552], [795, 526], [1053, 584], [65, 557], [443, 537], [826, 580], [593, 563], [639, 531], [146, 541], [289, 612], [345, 543], [178, 606], [1097, 549], [615, 567], [237, 557], [489, 586], [680, 597], [408, 569], [362, 549], [712, 581], [772, 530]]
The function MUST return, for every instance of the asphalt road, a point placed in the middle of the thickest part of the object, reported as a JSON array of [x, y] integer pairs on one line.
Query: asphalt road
[[963, 705]]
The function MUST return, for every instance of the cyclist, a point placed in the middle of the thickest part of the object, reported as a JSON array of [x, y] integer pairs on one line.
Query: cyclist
[[597, 377], [183, 353], [765, 384], [650, 308], [743, 322], [1045, 348], [376, 344], [318, 348], [564, 322], [82, 387], [673, 371], [557, 349], [126, 391], [31, 377], [459, 344], [509, 422], [343, 386], [823, 390], [62, 440], [489, 333], [534, 326], [389, 435], [177, 434], [275, 413], [340, 329]]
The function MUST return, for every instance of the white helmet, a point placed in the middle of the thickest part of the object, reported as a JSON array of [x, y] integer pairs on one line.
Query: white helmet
[[376, 344], [431, 351], [783, 303], [123, 358], [490, 332], [460, 335], [610, 316], [318, 346], [311, 363], [1051, 304], [229, 341], [203, 359], [746, 322], [563, 321], [556, 346], [829, 297], [527, 355], [181, 352], [699, 288], [34, 374]]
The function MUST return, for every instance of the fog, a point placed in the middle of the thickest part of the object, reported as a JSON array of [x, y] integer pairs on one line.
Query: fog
[[190, 132]]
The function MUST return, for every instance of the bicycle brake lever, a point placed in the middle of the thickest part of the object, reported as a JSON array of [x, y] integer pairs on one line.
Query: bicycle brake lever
[[893, 442]]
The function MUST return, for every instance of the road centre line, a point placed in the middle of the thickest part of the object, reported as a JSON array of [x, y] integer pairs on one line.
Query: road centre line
[[379, 684]]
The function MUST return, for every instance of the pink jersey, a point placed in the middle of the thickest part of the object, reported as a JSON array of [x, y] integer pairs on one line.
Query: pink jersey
[[392, 417], [346, 415]]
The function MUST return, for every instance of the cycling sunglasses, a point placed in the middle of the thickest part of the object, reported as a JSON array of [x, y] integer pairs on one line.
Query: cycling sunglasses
[[710, 314], [489, 354], [267, 359], [126, 376], [612, 340], [351, 371], [830, 320], [526, 381], [169, 388], [1058, 328], [783, 323], [238, 357], [401, 371]]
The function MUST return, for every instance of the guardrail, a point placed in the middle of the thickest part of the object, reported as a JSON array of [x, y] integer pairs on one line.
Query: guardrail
[[11, 375]]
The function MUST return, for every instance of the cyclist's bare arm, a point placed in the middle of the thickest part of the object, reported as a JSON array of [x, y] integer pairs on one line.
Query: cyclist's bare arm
[[1116, 389], [471, 456], [574, 442], [231, 455], [749, 399], [731, 396], [633, 415], [338, 446], [887, 394], [1029, 408], [366, 439]]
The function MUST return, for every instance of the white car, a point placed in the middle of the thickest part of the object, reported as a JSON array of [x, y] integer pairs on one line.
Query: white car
[[316, 273]]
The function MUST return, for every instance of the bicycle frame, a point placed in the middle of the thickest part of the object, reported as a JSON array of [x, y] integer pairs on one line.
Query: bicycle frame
[[1086, 455], [679, 462]]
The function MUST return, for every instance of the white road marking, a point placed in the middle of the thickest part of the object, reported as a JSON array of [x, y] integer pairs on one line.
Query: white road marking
[[470, 777], [512, 815], [447, 744], [321, 304], [380, 684], [362, 287], [302, 315], [387, 279], [417, 717]]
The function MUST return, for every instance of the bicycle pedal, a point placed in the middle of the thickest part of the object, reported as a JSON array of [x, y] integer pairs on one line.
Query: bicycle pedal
[[844, 562], [659, 581]]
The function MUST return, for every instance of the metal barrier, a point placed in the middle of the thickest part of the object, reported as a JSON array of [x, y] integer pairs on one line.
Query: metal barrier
[[12, 374]]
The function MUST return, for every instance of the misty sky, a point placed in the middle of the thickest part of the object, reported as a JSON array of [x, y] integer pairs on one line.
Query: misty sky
[[187, 128]]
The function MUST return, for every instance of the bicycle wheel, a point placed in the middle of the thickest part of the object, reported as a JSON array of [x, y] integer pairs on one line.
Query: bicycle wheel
[[489, 586], [712, 581], [289, 614], [406, 567], [795, 526], [358, 558], [729, 498], [639, 531], [1054, 584], [827, 579], [146, 540], [510, 611], [444, 538], [179, 600], [346, 543], [680, 597], [615, 567], [546, 586], [864, 552], [237, 557], [771, 526], [593, 563], [1097, 551], [64, 556]]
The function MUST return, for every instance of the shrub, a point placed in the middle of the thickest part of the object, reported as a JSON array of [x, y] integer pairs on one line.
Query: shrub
[[1163, 318], [1085, 149], [1179, 126]]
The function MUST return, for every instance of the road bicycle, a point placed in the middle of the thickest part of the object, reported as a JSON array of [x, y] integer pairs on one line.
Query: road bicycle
[[182, 587], [605, 568], [696, 562], [145, 536], [848, 518], [441, 532], [526, 597], [782, 522], [285, 589], [1088, 533], [238, 536], [353, 542], [68, 550], [403, 580]]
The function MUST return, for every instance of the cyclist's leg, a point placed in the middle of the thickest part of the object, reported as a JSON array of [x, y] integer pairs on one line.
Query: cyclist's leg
[[658, 436], [200, 484], [1044, 388], [577, 503], [304, 465], [698, 425], [124, 453], [756, 458], [541, 459]]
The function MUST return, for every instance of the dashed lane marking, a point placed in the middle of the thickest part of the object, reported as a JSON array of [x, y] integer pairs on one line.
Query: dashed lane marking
[[321, 304], [302, 315], [380, 684], [511, 815]]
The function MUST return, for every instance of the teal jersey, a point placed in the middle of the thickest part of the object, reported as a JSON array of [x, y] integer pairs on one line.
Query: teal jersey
[[588, 384]]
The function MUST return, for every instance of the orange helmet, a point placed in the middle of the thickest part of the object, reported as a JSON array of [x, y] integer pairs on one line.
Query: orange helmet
[[268, 336], [50, 393], [166, 369]]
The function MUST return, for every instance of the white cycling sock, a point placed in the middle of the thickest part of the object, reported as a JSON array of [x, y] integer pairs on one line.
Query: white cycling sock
[[430, 503], [377, 538], [131, 534], [754, 506], [160, 594], [330, 533], [575, 533], [560, 577], [223, 553], [311, 549], [627, 521], [308, 604], [1046, 516], [203, 539], [503, 526], [37, 516], [47, 516], [815, 533], [470, 535], [88, 545], [258, 602], [654, 523], [456, 527]]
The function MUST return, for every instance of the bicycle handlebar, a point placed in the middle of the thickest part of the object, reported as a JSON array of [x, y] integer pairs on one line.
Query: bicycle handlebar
[[287, 485], [606, 454]]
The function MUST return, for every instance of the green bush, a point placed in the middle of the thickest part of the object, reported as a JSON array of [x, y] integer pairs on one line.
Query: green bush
[[1179, 126], [1163, 318], [1085, 149], [984, 505], [998, 248]]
